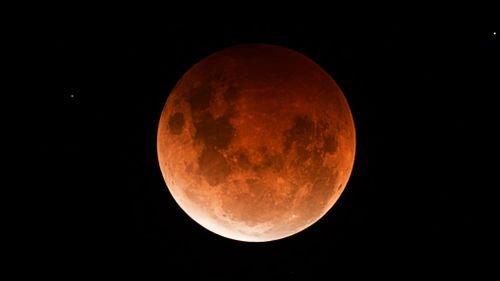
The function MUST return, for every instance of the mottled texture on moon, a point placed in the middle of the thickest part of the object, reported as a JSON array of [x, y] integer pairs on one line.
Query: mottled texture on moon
[[256, 142]]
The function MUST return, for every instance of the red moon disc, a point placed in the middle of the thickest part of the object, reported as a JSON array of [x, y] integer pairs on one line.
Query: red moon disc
[[256, 142]]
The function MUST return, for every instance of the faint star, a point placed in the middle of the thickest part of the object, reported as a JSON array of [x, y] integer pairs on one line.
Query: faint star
[[72, 93]]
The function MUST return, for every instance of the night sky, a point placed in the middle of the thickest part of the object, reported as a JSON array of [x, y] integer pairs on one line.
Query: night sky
[[415, 200]]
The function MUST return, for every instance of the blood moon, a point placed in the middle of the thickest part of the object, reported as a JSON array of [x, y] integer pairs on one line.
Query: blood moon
[[256, 142]]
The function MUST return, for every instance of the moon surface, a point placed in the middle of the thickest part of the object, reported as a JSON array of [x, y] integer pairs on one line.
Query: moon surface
[[256, 142]]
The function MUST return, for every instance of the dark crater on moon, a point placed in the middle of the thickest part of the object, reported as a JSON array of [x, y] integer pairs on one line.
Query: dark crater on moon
[[176, 123], [214, 133], [213, 166]]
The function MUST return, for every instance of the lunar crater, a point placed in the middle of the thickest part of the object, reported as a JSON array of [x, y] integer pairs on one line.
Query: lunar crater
[[176, 123]]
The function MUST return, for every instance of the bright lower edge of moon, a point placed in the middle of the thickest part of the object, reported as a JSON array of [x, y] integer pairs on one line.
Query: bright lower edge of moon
[[256, 142]]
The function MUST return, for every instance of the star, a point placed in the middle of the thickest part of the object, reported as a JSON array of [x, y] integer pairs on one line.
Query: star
[[71, 93]]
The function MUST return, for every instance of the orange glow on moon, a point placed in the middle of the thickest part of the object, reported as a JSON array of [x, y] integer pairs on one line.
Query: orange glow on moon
[[256, 142]]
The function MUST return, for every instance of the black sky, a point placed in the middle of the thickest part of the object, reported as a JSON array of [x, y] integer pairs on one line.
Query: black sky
[[414, 202]]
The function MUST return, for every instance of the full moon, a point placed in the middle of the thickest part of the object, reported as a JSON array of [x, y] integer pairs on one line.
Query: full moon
[[256, 142]]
